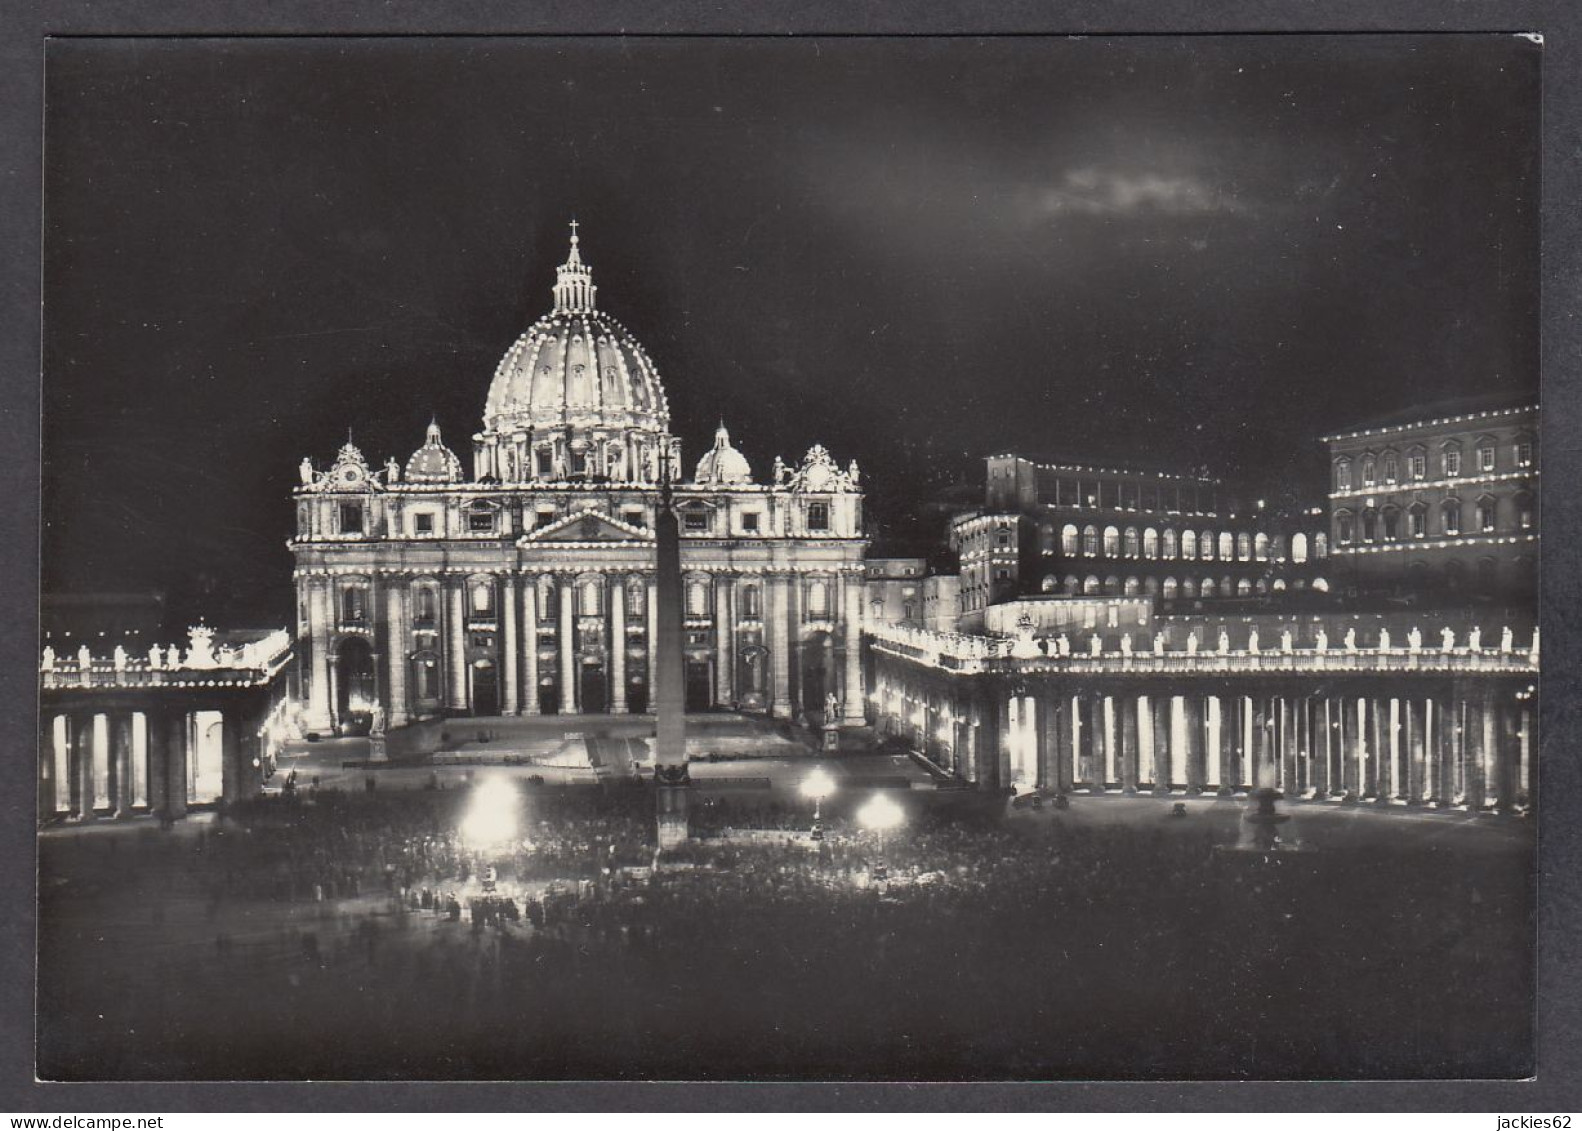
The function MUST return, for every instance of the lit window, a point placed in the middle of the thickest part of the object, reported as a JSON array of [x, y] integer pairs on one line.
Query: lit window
[[483, 598], [1417, 465], [1168, 552], [696, 520], [1525, 514], [1452, 464], [1260, 546], [1112, 542], [1486, 515], [1244, 546], [1367, 472], [1450, 517], [588, 598], [1389, 469], [1392, 524], [818, 516], [1188, 546], [1344, 529], [1417, 522], [1524, 454], [1150, 543], [1090, 541], [1130, 544], [354, 606], [1068, 539], [1486, 458], [480, 520], [1343, 475], [1370, 526]]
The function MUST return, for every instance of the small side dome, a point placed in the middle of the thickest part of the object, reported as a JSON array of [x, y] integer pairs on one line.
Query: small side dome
[[723, 464], [433, 462]]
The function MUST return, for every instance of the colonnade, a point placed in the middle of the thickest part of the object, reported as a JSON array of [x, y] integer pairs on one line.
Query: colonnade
[[117, 760], [1465, 742]]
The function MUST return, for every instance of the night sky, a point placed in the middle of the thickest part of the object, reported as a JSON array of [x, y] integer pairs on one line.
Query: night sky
[[1177, 253]]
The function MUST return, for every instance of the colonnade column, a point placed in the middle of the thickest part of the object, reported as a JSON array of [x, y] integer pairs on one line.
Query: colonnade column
[[510, 704], [567, 589], [1128, 705], [1192, 706], [456, 683], [1323, 741], [855, 711], [231, 769], [179, 739], [1288, 738], [1160, 707], [530, 646], [1377, 784], [1230, 709], [396, 648], [83, 735], [778, 612], [121, 761], [724, 640], [319, 718], [617, 596], [157, 724], [1416, 711]]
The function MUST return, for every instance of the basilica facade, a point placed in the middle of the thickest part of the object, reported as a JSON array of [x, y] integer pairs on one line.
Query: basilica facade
[[527, 584]]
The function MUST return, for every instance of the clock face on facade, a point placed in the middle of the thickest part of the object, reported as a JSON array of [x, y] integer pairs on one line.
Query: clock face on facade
[[350, 475]]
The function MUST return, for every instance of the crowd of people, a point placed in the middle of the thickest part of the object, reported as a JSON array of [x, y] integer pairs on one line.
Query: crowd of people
[[984, 946]]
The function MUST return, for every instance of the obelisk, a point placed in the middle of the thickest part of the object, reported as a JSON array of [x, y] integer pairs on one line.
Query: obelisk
[[671, 780]]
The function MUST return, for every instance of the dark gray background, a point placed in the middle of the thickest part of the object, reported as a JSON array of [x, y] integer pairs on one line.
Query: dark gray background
[[537, 244]]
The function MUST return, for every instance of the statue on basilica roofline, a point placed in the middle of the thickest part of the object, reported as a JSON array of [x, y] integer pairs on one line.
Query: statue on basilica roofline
[[305, 470]]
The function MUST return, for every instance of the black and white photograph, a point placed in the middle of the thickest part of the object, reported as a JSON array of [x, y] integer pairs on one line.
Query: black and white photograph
[[937, 558]]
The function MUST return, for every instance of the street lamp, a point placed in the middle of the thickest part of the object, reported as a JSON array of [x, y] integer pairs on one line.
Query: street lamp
[[880, 814], [818, 785]]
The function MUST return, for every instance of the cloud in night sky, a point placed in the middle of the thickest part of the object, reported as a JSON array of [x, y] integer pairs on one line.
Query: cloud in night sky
[[1098, 192]]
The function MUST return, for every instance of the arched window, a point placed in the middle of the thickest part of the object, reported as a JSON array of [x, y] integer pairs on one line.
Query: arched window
[[1090, 587], [1112, 542], [423, 605], [1226, 587], [1262, 587], [1392, 524], [1050, 584], [1188, 546], [1244, 588], [1068, 540], [698, 599], [1207, 588], [1370, 525], [818, 599], [1450, 517], [1452, 459], [1526, 510], [1368, 474], [1417, 520], [1112, 586], [354, 605], [1320, 585], [1320, 545], [1046, 539], [637, 601], [1391, 468], [1131, 587], [482, 598], [1168, 548], [1151, 586], [1150, 543], [480, 518], [1227, 546], [1188, 588], [1169, 589], [1073, 585], [1244, 546], [1298, 548], [1090, 541], [1260, 547], [1279, 585], [1205, 546], [1131, 546], [1486, 515], [1345, 527], [1417, 464], [1343, 474], [1485, 455]]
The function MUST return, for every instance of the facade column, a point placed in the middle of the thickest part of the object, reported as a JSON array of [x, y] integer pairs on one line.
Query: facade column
[[319, 716], [510, 648], [121, 762], [854, 700], [455, 648], [80, 735], [724, 640], [777, 610], [1289, 739], [400, 640], [1159, 705], [1229, 736], [1259, 774], [617, 595], [567, 589], [652, 638], [530, 647], [1323, 753], [1127, 705]]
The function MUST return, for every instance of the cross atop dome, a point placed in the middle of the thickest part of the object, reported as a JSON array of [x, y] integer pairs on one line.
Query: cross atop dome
[[574, 289]]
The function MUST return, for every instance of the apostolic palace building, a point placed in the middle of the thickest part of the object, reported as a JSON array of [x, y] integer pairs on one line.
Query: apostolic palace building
[[527, 585]]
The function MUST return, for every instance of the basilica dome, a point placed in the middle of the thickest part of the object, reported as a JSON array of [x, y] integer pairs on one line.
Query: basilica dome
[[576, 368], [433, 462]]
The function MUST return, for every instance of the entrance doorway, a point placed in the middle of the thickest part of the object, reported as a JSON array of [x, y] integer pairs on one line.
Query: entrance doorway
[[594, 695], [354, 685], [699, 694], [485, 688]]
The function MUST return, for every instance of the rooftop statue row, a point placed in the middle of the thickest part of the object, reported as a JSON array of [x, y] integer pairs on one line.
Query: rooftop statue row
[[201, 655]]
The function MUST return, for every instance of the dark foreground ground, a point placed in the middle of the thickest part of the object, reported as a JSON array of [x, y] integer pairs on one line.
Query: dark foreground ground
[[1106, 941]]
